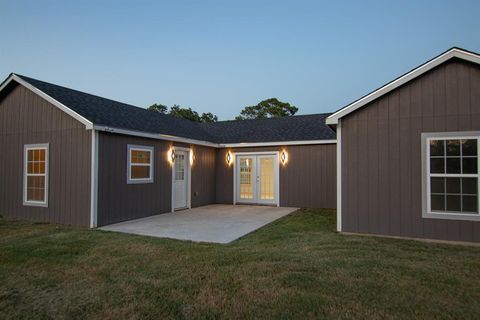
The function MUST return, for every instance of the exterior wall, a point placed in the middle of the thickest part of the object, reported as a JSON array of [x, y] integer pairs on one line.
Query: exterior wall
[[307, 180], [119, 201], [203, 176], [25, 118], [381, 153]]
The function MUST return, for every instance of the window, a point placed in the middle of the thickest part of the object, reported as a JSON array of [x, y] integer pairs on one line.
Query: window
[[451, 179], [35, 185], [140, 164]]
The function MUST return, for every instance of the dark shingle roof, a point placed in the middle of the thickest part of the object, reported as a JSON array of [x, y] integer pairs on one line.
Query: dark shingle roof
[[110, 113], [106, 112], [295, 128]]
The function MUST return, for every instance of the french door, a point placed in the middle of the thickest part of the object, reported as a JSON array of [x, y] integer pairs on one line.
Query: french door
[[257, 179]]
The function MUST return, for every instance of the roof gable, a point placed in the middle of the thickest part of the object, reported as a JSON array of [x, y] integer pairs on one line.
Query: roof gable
[[407, 77]]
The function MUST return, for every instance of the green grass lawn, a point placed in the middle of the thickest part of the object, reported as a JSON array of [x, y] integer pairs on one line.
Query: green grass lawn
[[297, 267]]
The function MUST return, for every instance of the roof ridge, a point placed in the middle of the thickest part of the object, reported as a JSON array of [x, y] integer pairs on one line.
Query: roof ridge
[[273, 118]]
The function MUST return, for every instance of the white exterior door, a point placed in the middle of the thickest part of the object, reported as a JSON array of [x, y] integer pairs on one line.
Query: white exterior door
[[180, 176], [257, 179], [267, 169], [246, 179]]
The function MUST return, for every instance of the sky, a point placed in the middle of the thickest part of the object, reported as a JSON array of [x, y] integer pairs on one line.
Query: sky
[[220, 56]]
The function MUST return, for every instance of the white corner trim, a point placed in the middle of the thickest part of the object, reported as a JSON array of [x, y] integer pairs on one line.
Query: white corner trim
[[94, 181], [158, 136], [339, 176], [13, 77], [455, 52], [276, 143]]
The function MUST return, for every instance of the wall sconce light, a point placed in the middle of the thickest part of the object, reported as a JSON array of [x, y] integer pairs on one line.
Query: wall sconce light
[[171, 155], [229, 158], [284, 157], [192, 157]]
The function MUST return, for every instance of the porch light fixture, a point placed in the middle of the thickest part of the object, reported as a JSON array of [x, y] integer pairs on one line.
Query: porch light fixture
[[192, 157], [229, 158], [171, 155], [284, 157]]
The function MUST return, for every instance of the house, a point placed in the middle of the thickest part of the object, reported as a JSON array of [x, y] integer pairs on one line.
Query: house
[[400, 161], [408, 154], [75, 158]]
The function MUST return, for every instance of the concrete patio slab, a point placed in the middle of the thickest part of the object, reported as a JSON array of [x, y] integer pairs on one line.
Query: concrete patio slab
[[216, 223]]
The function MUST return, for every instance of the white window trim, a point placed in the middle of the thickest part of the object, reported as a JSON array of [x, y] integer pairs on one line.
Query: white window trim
[[426, 201], [131, 148], [27, 147]]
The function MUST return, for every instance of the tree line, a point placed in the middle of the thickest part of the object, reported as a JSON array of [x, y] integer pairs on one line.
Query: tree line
[[269, 108]]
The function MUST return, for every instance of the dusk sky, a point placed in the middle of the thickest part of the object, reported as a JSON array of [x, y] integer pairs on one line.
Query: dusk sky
[[219, 56]]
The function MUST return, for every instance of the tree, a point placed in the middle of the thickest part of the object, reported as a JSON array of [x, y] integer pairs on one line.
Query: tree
[[270, 108], [208, 117], [186, 113], [158, 108]]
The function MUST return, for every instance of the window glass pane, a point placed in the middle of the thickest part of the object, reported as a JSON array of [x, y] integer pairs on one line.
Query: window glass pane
[[139, 156], [469, 165], [469, 147], [453, 203], [29, 194], [453, 185], [453, 165], [36, 167], [438, 203], [437, 165], [42, 155], [36, 155], [140, 172], [36, 188], [30, 167], [453, 147], [41, 167], [469, 185], [437, 185], [437, 148], [469, 203]]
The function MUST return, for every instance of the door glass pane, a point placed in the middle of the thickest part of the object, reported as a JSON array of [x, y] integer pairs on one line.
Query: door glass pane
[[267, 179], [246, 178], [179, 167]]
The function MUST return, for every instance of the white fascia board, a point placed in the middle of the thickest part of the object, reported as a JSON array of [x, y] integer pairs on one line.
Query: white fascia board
[[457, 53], [158, 136], [279, 143], [88, 124]]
